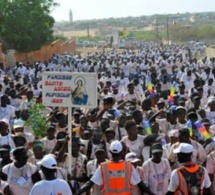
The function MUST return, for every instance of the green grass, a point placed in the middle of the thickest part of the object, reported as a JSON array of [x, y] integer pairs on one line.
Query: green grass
[[198, 31], [95, 38], [145, 35]]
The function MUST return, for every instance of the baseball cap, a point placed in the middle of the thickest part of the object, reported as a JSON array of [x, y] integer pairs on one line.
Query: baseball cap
[[116, 147], [37, 143], [115, 85], [5, 148], [183, 148], [59, 114], [77, 112], [18, 123], [211, 99], [161, 101], [5, 121], [180, 108], [51, 126], [196, 98], [157, 148], [99, 148], [192, 114], [109, 130], [48, 162], [87, 130], [200, 88], [131, 157], [173, 133]]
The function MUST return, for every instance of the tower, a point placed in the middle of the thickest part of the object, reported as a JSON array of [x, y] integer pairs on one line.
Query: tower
[[70, 16]]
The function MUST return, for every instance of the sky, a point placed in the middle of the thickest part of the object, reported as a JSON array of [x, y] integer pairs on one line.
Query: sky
[[98, 9]]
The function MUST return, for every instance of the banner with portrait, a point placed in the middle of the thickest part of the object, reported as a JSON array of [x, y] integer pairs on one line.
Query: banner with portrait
[[69, 89], [84, 90]]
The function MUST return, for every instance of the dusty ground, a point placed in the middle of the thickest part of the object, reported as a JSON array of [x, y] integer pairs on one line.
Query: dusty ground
[[79, 33], [84, 51]]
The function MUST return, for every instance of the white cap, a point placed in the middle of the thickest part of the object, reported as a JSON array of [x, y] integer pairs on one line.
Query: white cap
[[180, 108], [131, 157], [173, 133], [5, 120], [183, 148], [116, 147], [18, 123], [211, 99], [48, 162]]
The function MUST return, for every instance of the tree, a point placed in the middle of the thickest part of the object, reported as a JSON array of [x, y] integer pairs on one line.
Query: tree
[[26, 25]]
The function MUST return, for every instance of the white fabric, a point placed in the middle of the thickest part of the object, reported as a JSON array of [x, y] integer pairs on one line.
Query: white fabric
[[210, 166], [199, 154], [13, 174], [3, 185], [54, 187], [7, 112], [48, 144], [7, 140], [157, 176], [91, 168], [135, 146]]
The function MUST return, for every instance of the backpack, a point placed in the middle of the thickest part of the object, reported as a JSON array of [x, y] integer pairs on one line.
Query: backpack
[[193, 180]]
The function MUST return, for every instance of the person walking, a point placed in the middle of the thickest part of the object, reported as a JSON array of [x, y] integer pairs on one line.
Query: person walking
[[157, 171], [20, 175], [51, 184], [115, 177], [190, 178]]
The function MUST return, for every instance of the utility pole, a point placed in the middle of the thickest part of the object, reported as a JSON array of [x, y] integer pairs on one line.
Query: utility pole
[[156, 30], [167, 29], [88, 29]]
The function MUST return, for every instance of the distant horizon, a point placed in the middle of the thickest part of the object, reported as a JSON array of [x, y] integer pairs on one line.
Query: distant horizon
[[97, 9], [137, 16]]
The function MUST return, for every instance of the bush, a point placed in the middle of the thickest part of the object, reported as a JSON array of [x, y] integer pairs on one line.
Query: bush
[[37, 120]]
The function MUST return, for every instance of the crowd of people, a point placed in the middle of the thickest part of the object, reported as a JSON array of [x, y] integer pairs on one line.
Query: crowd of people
[[138, 140]]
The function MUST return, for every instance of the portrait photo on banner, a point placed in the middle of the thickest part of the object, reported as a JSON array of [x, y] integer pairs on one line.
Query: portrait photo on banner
[[84, 90]]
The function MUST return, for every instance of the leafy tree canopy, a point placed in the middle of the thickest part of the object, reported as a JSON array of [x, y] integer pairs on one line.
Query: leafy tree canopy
[[26, 25]]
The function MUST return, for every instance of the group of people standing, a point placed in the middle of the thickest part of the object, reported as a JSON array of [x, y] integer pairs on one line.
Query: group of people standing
[[152, 131]]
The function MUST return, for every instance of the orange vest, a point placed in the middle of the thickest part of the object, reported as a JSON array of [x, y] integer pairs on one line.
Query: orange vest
[[116, 178], [186, 186]]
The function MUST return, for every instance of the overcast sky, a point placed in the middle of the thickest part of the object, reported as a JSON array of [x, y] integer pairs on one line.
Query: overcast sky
[[97, 9]]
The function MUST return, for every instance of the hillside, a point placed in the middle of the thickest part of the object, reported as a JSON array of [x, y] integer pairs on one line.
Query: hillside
[[181, 27], [137, 22]]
